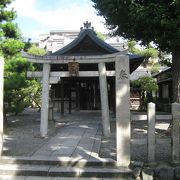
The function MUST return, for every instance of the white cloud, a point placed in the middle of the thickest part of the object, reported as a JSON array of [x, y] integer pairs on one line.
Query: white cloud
[[71, 17], [24, 8]]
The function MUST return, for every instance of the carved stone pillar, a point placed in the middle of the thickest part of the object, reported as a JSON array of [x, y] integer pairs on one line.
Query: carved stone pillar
[[123, 131]]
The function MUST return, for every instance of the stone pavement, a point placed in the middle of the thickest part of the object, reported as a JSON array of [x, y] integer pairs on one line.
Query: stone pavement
[[80, 138]]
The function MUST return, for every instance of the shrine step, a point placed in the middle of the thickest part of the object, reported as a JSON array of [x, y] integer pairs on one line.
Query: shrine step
[[61, 167], [58, 171], [60, 161]]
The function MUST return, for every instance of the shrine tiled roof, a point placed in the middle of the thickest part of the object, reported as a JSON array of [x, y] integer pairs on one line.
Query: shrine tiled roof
[[87, 43]]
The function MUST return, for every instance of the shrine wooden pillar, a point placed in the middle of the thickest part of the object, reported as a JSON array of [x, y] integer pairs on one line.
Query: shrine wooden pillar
[[62, 97], [70, 98], [45, 100], [104, 99], [96, 95], [78, 96]]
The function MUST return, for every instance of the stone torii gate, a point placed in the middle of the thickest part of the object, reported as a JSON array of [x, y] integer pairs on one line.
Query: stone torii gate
[[122, 74]]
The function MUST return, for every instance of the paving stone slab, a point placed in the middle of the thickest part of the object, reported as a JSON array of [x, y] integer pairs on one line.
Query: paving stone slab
[[86, 140], [56, 142], [50, 147], [71, 142], [77, 132], [92, 132], [85, 147], [89, 135], [67, 151], [81, 153]]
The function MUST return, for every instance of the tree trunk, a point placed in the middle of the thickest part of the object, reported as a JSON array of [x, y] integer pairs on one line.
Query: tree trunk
[[176, 74]]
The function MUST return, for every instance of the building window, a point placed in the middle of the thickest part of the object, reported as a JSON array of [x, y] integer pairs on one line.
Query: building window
[[165, 91]]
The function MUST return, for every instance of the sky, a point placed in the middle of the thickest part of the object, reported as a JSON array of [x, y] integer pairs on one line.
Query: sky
[[36, 17]]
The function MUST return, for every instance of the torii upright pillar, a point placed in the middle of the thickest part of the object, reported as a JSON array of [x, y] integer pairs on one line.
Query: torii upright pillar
[[45, 100], [104, 99]]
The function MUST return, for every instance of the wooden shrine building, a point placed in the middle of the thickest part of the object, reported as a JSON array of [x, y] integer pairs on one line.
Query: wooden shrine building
[[165, 93], [82, 93]]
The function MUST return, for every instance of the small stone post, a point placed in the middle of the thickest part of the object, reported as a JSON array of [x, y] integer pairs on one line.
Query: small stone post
[[151, 114], [45, 100], [123, 132], [175, 131], [1, 102], [104, 99]]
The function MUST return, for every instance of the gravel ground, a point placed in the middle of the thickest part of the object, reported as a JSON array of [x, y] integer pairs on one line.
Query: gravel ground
[[22, 137], [139, 152]]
